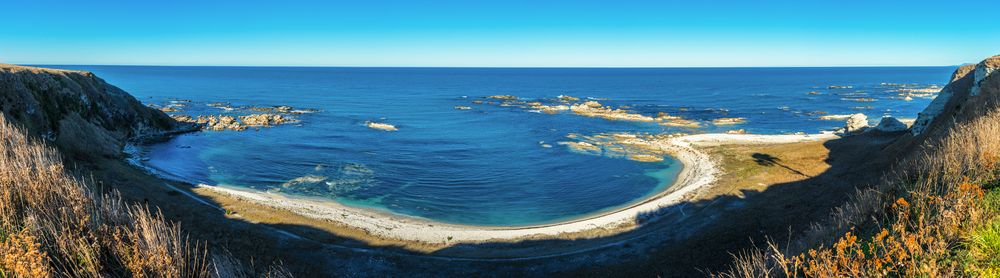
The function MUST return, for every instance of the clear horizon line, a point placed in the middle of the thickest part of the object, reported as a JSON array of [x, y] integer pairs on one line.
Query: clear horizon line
[[565, 67]]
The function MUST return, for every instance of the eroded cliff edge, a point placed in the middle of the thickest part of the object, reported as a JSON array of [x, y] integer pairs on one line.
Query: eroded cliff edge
[[77, 111]]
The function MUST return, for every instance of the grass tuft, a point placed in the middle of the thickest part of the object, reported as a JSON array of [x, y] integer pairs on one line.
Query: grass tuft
[[53, 224]]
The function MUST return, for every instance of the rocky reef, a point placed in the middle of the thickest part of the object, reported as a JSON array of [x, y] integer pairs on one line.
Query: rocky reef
[[593, 108], [237, 123], [381, 126], [632, 146]]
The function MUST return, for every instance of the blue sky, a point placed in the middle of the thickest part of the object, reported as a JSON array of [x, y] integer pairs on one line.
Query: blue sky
[[500, 33]]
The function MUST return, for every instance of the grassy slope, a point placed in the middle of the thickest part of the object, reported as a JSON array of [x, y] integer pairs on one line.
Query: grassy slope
[[53, 223], [936, 216]]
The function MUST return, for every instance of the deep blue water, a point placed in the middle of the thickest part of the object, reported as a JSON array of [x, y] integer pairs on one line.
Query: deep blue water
[[471, 167]]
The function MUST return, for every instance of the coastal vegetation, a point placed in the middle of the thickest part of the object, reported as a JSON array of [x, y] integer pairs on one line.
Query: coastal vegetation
[[935, 214], [61, 213], [54, 224]]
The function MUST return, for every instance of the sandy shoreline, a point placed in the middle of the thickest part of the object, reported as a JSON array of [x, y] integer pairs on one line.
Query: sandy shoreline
[[699, 172]]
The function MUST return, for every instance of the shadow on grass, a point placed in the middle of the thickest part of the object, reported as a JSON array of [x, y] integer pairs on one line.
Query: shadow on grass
[[674, 241], [767, 160]]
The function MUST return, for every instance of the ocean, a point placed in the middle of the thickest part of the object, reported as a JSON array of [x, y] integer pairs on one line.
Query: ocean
[[491, 165]]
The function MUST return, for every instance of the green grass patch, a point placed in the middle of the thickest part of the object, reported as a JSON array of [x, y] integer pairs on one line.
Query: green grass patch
[[984, 242]]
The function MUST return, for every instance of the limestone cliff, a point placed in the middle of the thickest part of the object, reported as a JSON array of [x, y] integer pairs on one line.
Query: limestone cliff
[[966, 81], [77, 111]]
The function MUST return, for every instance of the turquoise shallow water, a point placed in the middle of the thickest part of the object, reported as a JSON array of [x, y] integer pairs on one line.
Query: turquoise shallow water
[[485, 166]]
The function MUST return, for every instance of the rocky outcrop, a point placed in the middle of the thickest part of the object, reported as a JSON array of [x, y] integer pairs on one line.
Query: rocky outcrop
[[890, 124], [503, 97], [728, 121], [221, 122], [983, 70], [81, 113], [381, 126], [594, 109], [856, 123], [965, 82]]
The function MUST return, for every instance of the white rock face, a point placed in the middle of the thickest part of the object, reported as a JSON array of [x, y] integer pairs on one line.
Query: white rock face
[[856, 123], [932, 111], [979, 74], [890, 124], [982, 71]]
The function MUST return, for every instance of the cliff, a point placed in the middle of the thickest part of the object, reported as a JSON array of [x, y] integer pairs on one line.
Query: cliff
[[80, 113], [966, 81]]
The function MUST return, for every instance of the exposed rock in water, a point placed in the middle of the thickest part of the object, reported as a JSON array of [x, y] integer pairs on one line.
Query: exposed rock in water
[[664, 116], [263, 119], [229, 122], [736, 131], [834, 117], [503, 97], [890, 124], [281, 109], [637, 147], [728, 121], [682, 123], [856, 123], [840, 87], [182, 118], [551, 109], [568, 98], [463, 107], [381, 126], [645, 158], [587, 109]]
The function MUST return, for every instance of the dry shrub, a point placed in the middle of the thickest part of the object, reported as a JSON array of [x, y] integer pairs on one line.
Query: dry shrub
[[22, 257], [912, 226], [51, 223]]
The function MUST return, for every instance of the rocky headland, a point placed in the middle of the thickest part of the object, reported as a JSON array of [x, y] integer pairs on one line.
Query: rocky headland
[[79, 112]]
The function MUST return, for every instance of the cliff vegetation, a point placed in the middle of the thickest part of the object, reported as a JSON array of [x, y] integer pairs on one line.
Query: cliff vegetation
[[54, 223], [935, 214]]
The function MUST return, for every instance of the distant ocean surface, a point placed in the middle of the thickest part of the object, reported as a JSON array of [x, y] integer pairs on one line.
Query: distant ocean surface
[[487, 165]]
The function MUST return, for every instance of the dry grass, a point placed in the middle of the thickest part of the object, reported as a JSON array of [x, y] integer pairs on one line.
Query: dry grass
[[53, 224], [933, 220]]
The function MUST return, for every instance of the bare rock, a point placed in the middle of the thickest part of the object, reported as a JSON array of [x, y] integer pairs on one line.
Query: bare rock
[[890, 124], [503, 97], [856, 123], [183, 118]]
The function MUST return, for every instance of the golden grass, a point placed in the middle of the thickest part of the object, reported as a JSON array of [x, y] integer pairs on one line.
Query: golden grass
[[53, 224], [925, 223]]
